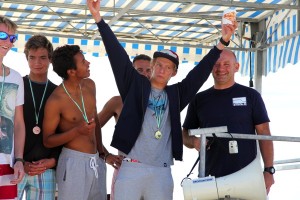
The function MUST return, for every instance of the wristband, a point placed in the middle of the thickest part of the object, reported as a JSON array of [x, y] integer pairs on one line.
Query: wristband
[[20, 159], [224, 43], [105, 157]]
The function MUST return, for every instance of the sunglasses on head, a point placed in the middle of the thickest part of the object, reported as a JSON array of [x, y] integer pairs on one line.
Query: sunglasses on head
[[4, 36]]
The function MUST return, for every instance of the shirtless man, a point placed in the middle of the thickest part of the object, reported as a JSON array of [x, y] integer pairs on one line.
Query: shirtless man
[[113, 108], [71, 120]]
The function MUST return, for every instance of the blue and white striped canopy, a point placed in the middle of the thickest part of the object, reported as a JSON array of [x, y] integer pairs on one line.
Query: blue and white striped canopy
[[188, 27]]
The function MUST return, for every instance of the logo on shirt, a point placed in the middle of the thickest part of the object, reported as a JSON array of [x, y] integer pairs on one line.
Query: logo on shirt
[[239, 101]]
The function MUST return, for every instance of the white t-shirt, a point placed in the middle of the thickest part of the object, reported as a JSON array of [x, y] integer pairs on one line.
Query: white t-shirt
[[12, 96]]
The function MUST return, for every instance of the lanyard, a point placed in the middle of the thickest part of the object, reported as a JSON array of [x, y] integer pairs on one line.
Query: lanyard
[[33, 99], [82, 101], [158, 110], [2, 86]]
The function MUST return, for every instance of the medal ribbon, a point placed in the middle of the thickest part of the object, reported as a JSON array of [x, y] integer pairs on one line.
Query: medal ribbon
[[158, 110], [33, 99], [2, 86], [82, 101]]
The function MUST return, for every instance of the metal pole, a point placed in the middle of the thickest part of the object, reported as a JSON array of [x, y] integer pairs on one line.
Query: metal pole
[[220, 132], [247, 136], [202, 156]]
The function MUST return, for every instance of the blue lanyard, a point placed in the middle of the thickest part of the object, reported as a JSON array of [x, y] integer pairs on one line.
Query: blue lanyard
[[37, 114], [82, 101], [159, 110]]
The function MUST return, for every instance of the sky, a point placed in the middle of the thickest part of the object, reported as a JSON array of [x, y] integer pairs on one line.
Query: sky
[[280, 92]]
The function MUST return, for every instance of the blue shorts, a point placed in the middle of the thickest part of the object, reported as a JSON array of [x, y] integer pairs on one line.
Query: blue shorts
[[42, 187]]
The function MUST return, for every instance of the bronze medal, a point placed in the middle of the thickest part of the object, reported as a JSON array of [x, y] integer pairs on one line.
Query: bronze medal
[[36, 130]]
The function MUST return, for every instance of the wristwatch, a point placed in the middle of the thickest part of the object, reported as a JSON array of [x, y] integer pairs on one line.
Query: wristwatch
[[270, 170]]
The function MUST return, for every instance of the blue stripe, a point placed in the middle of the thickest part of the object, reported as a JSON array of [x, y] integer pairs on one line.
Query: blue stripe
[[268, 60], [14, 6], [44, 9], [75, 12], [148, 46], [239, 14], [120, 3], [275, 2], [9, 14], [160, 47], [297, 55], [96, 54], [150, 5], [286, 51], [29, 7], [104, 2], [173, 48], [196, 8], [280, 64], [174, 33], [255, 14], [185, 35], [39, 16], [214, 8], [24, 15], [294, 23], [198, 51], [62, 25], [288, 26], [243, 60], [253, 62], [166, 7], [282, 28], [246, 62], [79, 25], [186, 50], [275, 59], [270, 38], [276, 33], [48, 23], [291, 50]]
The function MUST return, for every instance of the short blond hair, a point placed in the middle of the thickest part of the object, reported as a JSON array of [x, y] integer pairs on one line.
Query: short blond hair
[[12, 26]]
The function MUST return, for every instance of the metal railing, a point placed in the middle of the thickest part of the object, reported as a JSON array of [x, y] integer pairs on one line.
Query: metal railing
[[222, 132]]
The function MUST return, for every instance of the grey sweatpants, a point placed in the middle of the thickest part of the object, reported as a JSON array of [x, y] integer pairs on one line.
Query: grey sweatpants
[[80, 176], [137, 181]]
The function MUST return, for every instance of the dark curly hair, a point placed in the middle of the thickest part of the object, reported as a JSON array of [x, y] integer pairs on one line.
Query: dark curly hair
[[63, 59]]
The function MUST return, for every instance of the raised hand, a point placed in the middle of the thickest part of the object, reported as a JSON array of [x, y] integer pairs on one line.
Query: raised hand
[[228, 30], [94, 7]]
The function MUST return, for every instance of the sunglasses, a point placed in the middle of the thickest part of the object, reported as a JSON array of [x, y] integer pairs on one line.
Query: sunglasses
[[4, 36]]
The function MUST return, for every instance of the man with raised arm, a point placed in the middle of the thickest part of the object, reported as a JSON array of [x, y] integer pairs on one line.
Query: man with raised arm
[[148, 132], [113, 108]]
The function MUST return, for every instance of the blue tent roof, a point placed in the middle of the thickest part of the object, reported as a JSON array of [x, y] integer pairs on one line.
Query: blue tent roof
[[186, 26]]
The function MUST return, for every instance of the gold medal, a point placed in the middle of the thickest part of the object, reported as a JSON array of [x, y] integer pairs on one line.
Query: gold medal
[[158, 134], [36, 130]]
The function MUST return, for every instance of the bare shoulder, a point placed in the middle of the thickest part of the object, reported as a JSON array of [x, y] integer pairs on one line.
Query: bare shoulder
[[116, 100], [114, 103], [56, 95], [56, 99], [88, 83]]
